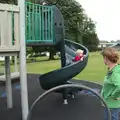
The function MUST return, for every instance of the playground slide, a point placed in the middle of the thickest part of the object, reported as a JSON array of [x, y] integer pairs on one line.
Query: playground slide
[[63, 75]]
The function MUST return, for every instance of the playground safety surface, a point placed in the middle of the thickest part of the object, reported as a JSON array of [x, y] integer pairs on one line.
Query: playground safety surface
[[85, 106]]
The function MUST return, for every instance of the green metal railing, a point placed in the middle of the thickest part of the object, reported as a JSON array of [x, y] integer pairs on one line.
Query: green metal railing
[[13, 38], [39, 23]]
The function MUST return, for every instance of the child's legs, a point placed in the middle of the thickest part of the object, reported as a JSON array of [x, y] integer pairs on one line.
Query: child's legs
[[114, 114]]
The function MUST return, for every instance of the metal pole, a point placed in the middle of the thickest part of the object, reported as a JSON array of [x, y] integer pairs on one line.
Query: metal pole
[[62, 51], [16, 66], [8, 82], [23, 76]]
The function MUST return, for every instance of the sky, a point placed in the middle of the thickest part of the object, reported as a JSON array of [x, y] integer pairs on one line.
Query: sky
[[107, 15]]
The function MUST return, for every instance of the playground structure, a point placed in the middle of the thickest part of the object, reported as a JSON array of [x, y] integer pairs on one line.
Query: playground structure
[[9, 37], [48, 30], [14, 75], [44, 26], [41, 31], [12, 43], [8, 45]]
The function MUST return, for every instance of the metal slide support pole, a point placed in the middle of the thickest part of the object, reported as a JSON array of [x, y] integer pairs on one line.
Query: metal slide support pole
[[8, 82], [63, 64], [62, 50], [23, 76]]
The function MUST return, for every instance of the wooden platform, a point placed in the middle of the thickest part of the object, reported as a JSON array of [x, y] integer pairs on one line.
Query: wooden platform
[[14, 75]]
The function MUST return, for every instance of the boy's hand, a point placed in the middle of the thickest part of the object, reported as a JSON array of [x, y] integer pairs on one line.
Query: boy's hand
[[116, 98]]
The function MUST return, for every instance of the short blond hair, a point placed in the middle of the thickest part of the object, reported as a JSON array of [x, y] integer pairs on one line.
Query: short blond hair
[[79, 51], [111, 54]]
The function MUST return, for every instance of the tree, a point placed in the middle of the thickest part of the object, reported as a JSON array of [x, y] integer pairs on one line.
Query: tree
[[89, 35], [91, 41], [52, 53]]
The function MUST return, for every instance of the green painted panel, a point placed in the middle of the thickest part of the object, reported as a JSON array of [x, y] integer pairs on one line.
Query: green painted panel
[[39, 23]]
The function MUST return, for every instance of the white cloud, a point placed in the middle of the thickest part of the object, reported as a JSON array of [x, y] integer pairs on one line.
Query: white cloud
[[106, 14]]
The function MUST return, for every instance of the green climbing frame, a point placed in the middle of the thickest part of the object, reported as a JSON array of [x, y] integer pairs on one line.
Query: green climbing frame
[[39, 23]]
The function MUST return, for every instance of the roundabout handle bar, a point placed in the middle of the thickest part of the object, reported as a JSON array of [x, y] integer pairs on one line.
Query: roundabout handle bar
[[68, 86]]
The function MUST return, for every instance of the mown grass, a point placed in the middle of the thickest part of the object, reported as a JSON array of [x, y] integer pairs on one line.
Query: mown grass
[[94, 71]]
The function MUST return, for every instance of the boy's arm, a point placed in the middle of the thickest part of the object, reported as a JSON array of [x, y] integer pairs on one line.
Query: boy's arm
[[116, 80]]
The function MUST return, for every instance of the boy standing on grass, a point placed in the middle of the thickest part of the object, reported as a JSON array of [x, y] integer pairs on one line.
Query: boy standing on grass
[[111, 87]]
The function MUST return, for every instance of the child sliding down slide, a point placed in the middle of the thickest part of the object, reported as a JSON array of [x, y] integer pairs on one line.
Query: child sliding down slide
[[79, 55]]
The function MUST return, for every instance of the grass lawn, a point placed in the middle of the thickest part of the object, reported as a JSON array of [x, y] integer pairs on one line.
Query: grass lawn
[[94, 71]]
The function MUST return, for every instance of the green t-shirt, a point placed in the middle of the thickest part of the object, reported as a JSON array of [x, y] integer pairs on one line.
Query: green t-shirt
[[111, 87]]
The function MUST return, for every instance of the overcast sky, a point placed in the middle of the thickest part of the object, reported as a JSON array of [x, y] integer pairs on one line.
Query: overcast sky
[[107, 15]]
